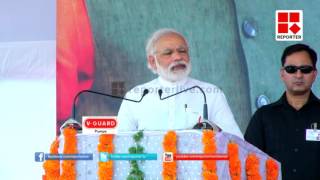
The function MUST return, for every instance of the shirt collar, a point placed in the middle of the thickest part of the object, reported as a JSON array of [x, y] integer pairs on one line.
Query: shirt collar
[[283, 100], [166, 83]]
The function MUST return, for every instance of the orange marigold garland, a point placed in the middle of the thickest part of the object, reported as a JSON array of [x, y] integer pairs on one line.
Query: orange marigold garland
[[105, 169], [209, 167], [234, 161], [272, 169], [70, 147], [52, 167], [169, 144], [253, 167]]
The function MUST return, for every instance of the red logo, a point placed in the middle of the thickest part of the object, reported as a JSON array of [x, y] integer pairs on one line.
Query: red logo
[[289, 25], [100, 123]]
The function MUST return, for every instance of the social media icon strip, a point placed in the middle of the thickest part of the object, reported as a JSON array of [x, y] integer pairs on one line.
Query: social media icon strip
[[39, 156], [103, 156], [167, 157]]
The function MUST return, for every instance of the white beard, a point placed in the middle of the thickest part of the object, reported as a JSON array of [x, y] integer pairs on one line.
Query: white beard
[[173, 75]]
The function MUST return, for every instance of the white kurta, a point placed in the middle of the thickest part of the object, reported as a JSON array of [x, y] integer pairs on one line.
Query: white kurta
[[171, 114]]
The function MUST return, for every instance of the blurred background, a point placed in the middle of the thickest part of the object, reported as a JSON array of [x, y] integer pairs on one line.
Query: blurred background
[[27, 85]]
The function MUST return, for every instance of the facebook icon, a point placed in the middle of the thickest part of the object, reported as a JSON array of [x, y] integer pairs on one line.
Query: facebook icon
[[39, 156]]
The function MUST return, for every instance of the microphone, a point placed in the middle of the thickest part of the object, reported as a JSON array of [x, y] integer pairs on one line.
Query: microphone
[[205, 124], [205, 106], [75, 124]]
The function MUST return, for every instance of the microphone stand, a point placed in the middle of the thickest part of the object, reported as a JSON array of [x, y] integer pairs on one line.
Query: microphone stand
[[75, 124], [205, 123]]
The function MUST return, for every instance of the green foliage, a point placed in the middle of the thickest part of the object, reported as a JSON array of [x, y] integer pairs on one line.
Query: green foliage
[[139, 149], [135, 172], [138, 136], [133, 150]]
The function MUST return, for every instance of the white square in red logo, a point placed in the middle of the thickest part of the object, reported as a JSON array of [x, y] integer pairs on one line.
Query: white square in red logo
[[289, 25]]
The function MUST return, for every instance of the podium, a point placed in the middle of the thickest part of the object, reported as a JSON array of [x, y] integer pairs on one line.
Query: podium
[[188, 142]]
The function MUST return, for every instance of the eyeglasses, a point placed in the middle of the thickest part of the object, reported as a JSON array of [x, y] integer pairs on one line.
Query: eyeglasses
[[303, 69]]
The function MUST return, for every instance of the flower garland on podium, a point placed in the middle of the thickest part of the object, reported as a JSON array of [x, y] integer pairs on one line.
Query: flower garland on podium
[[209, 167], [169, 144], [272, 169], [253, 167], [52, 167], [234, 161], [70, 147], [105, 169], [135, 172]]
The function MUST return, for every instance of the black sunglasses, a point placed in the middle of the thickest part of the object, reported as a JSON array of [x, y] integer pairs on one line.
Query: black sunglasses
[[303, 69]]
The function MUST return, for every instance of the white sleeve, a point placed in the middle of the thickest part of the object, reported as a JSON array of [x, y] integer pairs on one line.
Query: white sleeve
[[220, 113], [126, 120]]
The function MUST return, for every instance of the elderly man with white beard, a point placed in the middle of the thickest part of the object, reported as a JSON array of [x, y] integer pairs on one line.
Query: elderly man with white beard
[[168, 56]]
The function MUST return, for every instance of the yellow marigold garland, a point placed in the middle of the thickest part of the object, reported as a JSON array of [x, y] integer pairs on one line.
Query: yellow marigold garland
[[169, 144], [234, 161], [52, 167], [253, 167], [272, 169], [105, 169], [70, 147], [209, 167]]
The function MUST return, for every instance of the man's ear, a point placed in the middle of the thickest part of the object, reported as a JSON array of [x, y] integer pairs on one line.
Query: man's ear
[[152, 62], [315, 72]]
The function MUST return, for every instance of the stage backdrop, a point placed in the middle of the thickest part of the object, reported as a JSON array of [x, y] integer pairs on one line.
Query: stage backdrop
[[242, 67]]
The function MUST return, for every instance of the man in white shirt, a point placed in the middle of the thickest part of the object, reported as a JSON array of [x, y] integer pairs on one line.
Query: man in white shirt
[[168, 56]]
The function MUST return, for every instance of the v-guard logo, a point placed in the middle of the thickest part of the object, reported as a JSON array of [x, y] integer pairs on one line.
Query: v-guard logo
[[99, 124], [289, 25]]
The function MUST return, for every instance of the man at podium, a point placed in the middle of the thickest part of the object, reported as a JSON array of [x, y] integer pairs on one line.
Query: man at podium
[[168, 56]]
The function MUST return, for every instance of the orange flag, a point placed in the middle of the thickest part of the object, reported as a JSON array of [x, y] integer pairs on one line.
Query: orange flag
[[75, 55]]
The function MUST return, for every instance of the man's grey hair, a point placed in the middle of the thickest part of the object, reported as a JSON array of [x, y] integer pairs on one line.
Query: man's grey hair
[[150, 45], [150, 49]]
